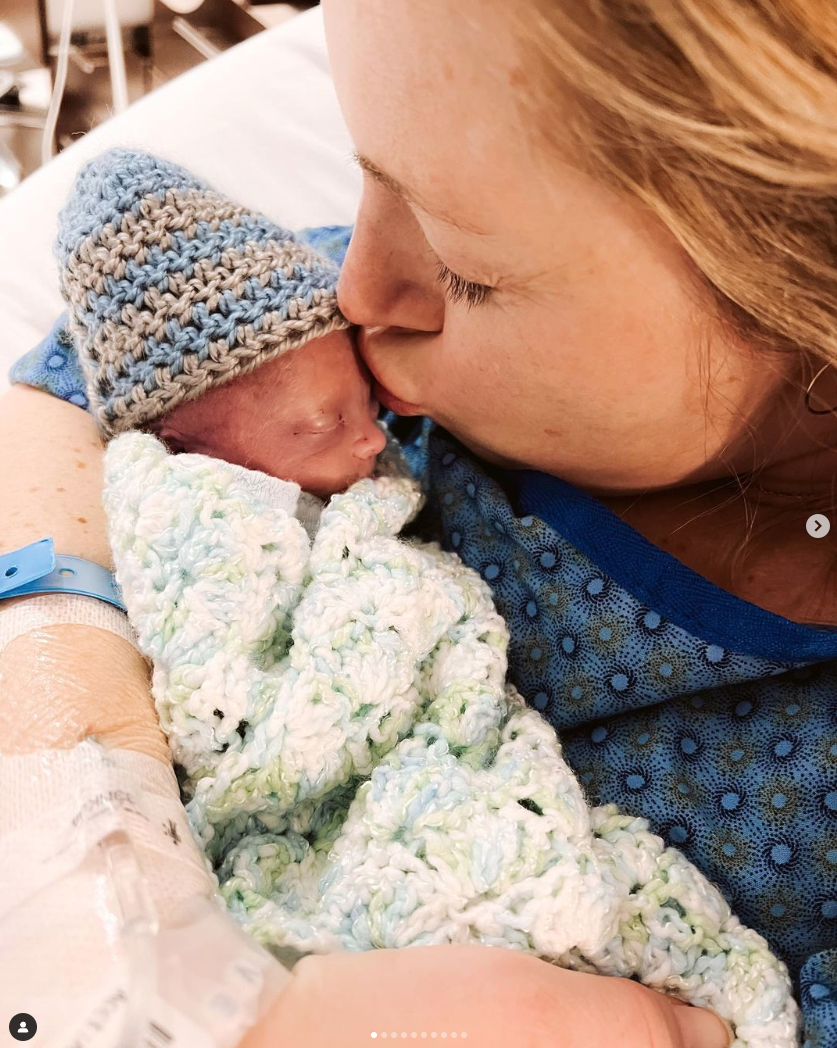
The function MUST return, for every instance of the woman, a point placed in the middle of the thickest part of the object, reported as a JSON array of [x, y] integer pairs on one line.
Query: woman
[[596, 243]]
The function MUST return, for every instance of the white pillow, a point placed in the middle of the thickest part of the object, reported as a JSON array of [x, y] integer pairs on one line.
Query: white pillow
[[260, 122]]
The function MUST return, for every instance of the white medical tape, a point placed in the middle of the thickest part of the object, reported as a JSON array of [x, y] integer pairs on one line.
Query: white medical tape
[[56, 609], [57, 805]]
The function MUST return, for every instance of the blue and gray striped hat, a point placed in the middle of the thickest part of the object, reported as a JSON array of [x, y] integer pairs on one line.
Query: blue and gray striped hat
[[173, 289]]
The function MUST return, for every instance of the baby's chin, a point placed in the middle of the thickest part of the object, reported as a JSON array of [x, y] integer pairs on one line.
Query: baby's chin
[[324, 487], [319, 474]]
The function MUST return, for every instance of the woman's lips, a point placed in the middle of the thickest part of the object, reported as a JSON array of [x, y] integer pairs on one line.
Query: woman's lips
[[382, 394], [393, 403]]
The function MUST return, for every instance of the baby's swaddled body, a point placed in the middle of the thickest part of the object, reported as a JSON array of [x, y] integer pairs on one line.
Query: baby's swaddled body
[[360, 773], [357, 768]]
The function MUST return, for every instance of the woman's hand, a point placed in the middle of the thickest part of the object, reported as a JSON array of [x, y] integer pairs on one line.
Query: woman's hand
[[494, 997]]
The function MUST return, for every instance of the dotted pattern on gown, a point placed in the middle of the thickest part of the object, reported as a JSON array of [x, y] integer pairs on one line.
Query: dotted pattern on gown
[[732, 758], [53, 366]]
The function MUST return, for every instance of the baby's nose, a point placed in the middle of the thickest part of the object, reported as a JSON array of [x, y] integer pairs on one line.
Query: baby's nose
[[371, 443]]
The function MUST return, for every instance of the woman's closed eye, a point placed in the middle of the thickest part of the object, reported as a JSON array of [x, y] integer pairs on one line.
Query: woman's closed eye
[[458, 288]]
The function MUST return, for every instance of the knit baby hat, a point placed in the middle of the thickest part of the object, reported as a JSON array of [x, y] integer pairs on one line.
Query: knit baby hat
[[173, 289]]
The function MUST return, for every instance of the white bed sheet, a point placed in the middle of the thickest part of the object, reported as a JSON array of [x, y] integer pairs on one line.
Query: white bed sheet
[[260, 122]]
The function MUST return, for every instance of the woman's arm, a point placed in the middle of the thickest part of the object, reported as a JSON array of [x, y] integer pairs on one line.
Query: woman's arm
[[51, 458], [61, 684]]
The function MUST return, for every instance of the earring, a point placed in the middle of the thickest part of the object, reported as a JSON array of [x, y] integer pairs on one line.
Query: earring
[[817, 411]]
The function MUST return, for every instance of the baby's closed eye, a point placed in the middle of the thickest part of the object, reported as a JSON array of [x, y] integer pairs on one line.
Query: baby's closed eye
[[320, 424]]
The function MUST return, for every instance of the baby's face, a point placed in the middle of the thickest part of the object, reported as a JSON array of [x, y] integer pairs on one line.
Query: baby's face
[[308, 416]]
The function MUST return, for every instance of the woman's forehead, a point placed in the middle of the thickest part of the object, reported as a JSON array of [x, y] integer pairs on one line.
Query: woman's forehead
[[427, 91]]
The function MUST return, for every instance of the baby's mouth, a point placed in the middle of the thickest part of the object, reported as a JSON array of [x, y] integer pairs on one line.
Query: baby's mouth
[[368, 470]]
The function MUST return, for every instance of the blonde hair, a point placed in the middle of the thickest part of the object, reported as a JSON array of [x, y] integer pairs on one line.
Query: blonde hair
[[721, 116]]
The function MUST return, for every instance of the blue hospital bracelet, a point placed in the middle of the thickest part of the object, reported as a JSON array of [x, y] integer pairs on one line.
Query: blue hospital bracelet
[[37, 568]]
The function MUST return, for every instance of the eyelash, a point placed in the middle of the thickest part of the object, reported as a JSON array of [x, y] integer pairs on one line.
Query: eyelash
[[457, 288]]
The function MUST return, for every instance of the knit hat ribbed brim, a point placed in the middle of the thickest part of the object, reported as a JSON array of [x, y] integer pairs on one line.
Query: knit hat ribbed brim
[[173, 289]]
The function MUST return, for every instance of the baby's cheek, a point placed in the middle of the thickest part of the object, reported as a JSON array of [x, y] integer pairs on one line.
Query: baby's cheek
[[311, 461], [226, 422]]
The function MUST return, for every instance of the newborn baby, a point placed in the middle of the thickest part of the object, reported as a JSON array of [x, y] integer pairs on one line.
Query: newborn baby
[[356, 767], [308, 417]]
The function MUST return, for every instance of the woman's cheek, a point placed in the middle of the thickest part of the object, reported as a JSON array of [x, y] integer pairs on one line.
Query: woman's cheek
[[408, 366], [484, 380]]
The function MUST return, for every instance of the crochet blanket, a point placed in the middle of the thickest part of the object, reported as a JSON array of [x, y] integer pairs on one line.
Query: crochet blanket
[[357, 769]]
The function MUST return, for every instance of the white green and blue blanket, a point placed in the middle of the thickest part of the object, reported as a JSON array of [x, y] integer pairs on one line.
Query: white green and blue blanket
[[360, 773]]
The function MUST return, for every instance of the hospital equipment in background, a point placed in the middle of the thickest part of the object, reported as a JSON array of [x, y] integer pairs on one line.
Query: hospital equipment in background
[[68, 65]]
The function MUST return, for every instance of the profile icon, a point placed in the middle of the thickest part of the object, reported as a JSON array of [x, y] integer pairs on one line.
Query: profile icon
[[22, 1026]]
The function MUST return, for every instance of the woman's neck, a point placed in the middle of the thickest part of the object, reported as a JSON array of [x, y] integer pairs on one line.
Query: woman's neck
[[742, 524], [749, 537]]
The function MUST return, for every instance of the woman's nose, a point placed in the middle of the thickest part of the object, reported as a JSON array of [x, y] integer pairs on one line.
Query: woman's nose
[[388, 277]]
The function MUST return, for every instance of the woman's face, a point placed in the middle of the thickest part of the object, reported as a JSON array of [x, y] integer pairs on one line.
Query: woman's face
[[591, 356]]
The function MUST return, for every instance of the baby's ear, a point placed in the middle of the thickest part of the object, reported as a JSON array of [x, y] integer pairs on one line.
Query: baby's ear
[[163, 430]]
